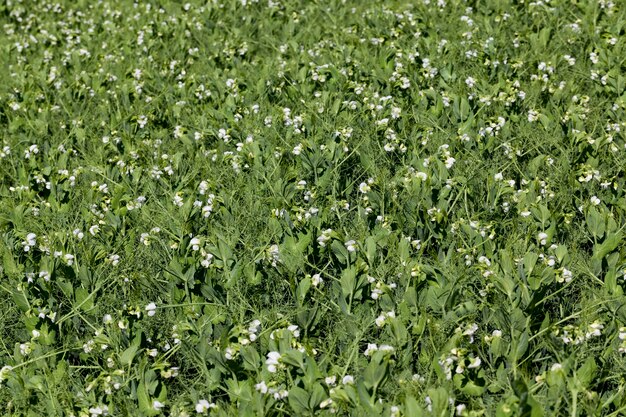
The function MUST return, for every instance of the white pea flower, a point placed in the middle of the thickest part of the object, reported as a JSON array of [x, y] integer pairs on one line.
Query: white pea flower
[[474, 362], [351, 246], [208, 259], [229, 353], [595, 200], [31, 240], [4, 372], [376, 293], [272, 361], [78, 233], [203, 406], [347, 380], [261, 387], [326, 402], [566, 275], [114, 259], [151, 309], [25, 348], [371, 348], [386, 348], [595, 329], [279, 395], [542, 238], [195, 244], [316, 280], [157, 405], [100, 410], [324, 237], [294, 330], [69, 258]]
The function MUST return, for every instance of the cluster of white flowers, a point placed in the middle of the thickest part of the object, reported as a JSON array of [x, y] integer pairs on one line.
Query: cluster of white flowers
[[278, 393], [151, 309], [458, 359], [273, 361], [564, 276], [195, 243], [99, 410], [351, 246], [30, 242], [274, 255], [251, 333], [324, 237], [571, 334], [145, 237], [383, 318], [203, 406], [373, 347]]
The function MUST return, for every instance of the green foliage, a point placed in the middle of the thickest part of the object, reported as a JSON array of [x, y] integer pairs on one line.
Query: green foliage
[[312, 208]]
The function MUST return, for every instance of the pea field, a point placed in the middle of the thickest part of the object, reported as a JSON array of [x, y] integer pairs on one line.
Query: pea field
[[312, 208]]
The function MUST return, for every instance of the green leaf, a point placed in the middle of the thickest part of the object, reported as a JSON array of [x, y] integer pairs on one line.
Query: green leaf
[[412, 407], [294, 358], [19, 297], [530, 260], [370, 249], [303, 289], [375, 372], [608, 245], [340, 251], [126, 358], [586, 372], [595, 223], [299, 400], [439, 399], [318, 394], [84, 300], [348, 281], [251, 358], [521, 346], [471, 388], [561, 253]]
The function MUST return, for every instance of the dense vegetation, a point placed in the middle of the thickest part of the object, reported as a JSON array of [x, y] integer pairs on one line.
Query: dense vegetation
[[312, 208]]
